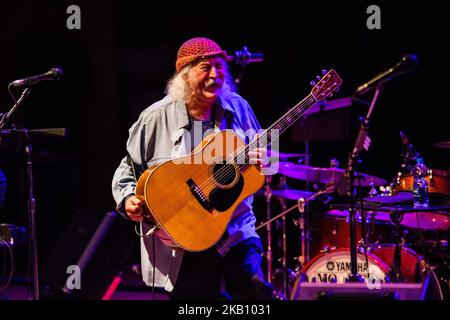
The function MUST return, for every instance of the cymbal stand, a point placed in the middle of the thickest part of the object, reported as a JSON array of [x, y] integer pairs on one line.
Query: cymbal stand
[[282, 184], [269, 257], [395, 268], [300, 203], [300, 206], [362, 142], [301, 226], [304, 221], [364, 229]]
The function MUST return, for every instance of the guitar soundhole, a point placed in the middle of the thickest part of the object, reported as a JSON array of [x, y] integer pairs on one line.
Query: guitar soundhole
[[225, 174]]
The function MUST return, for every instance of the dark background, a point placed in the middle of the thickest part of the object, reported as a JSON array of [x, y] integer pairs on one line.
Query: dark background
[[120, 60]]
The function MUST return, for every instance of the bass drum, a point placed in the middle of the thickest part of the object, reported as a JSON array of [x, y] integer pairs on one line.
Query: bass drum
[[415, 268], [334, 267]]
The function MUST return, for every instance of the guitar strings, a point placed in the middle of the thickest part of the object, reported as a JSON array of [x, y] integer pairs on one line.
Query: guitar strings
[[291, 116]]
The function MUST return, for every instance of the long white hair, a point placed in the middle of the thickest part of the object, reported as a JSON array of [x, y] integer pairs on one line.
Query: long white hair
[[177, 86]]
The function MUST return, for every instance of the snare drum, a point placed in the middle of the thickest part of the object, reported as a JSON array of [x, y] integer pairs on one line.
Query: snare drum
[[427, 221]]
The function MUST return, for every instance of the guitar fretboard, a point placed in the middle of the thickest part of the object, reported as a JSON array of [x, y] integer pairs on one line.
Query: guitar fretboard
[[265, 139]]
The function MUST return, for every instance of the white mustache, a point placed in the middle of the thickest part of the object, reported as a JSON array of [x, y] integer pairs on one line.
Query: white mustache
[[212, 82]]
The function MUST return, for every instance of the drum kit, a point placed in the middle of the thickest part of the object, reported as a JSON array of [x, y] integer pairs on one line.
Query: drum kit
[[395, 242]]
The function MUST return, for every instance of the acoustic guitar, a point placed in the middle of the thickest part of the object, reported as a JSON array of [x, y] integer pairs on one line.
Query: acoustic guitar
[[190, 200]]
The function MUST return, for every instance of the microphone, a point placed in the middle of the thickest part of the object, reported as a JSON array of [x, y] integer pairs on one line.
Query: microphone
[[245, 57], [52, 74], [407, 64]]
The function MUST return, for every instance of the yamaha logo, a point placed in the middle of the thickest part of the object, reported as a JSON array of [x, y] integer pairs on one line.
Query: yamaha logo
[[330, 265]]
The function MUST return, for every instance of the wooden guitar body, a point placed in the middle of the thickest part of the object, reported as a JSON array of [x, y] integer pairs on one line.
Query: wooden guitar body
[[193, 198]]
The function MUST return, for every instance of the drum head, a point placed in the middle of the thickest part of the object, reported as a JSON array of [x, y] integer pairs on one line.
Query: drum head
[[427, 221], [335, 267]]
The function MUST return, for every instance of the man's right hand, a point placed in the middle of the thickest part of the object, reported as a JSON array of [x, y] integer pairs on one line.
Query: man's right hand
[[134, 209]]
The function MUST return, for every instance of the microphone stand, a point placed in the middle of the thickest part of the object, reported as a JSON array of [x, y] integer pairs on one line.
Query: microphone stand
[[242, 58], [354, 161], [5, 117], [32, 247]]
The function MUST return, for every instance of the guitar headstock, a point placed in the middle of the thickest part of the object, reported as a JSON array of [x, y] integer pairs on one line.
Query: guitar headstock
[[328, 84]]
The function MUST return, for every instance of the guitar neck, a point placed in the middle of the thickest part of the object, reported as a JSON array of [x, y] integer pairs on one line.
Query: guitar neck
[[265, 138]]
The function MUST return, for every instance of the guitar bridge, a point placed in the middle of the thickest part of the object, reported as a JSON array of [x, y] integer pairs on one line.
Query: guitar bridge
[[199, 195]]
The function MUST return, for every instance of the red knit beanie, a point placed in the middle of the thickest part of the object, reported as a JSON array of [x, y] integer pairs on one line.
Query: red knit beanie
[[197, 48]]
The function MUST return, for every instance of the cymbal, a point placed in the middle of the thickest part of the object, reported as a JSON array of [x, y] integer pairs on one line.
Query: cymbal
[[283, 156], [289, 194], [329, 105], [442, 145], [325, 175]]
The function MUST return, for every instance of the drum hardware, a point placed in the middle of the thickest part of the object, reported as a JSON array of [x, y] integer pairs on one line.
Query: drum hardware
[[362, 142], [301, 225], [305, 221], [300, 204], [301, 207], [364, 238], [284, 156], [269, 258], [300, 201], [287, 193], [395, 268], [397, 216], [324, 175], [282, 184], [438, 180], [283, 193]]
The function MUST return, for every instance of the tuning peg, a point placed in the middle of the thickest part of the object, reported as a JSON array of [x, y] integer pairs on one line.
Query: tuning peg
[[312, 83], [337, 89], [318, 78], [324, 72]]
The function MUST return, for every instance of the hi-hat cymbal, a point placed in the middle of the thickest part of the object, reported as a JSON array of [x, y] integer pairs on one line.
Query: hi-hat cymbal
[[289, 194], [442, 145], [325, 175]]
